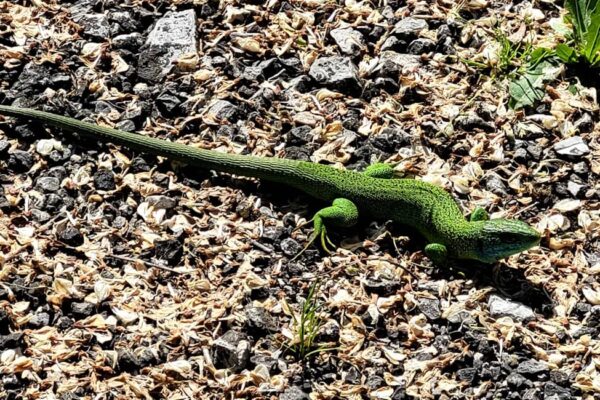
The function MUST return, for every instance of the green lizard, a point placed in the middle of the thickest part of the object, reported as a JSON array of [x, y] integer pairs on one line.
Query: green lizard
[[427, 208]]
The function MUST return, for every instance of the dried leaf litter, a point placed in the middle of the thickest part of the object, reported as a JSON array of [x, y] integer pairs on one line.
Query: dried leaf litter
[[127, 276]]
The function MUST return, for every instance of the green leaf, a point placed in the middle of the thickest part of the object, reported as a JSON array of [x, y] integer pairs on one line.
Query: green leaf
[[592, 39], [538, 55], [529, 87], [566, 53]]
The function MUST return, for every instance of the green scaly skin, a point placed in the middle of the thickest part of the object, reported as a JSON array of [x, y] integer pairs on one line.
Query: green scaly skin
[[425, 207]]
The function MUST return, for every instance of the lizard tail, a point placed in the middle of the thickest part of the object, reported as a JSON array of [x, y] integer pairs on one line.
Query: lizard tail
[[273, 169]]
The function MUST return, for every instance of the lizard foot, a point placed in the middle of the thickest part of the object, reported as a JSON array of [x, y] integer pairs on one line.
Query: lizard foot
[[342, 213]]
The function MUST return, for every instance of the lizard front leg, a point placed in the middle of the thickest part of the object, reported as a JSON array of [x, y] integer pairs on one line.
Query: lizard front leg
[[479, 214], [342, 212]]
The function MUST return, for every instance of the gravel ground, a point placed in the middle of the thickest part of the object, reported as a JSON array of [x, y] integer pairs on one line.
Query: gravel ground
[[128, 276]]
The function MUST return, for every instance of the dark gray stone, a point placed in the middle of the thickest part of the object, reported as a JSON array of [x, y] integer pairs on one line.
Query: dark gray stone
[[520, 155], [572, 147], [430, 307], [531, 367], [501, 307], [293, 393], [392, 63], [128, 41], [290, 247], [104, 180], [421, 46], [222, 110], [170, 250], [516, 381], [39, 320], [232, 350], [20, 161], [95, 26], [39, 215], [82, 309], [258, 318], [71, 236], [4, 146], [160, 201], [494, 184], [552, 391], [348, 40], [473, 121], [336, 72], [126, 125], [172, 36], [48, 184], [409, 27]]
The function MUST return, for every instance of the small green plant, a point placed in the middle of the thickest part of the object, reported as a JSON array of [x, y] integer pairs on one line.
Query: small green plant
[[528, 86], [509, 57], [306, 326], [583, 45]]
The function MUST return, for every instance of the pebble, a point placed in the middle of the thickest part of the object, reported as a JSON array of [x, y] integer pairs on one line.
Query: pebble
[[421, 46], [581, 168], [259, 319], [430, 307], [71, 236], [573, 147], [20, 161], [501, 307], [104, 180], [96, 26], [409, 27], [290, 247], [39, 215], [160, 201], [127, 360], [222, 110], [392, 63], [349, 41], [4, 146], [293, 393], [39, 320], [516, 381], [575, 189], [336, 72], [494, 184], [473, 121], [82, 309], [128, 41], [48, 184], [172, 36], [531, 367], [10, 341], [232, 350], [170, 250], [552, 391]]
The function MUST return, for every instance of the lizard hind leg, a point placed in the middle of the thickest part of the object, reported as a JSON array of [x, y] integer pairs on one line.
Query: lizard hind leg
[[342, 213], [380, 170]]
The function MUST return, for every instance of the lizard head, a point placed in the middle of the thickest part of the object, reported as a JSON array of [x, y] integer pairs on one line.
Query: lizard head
[[500, 238]]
